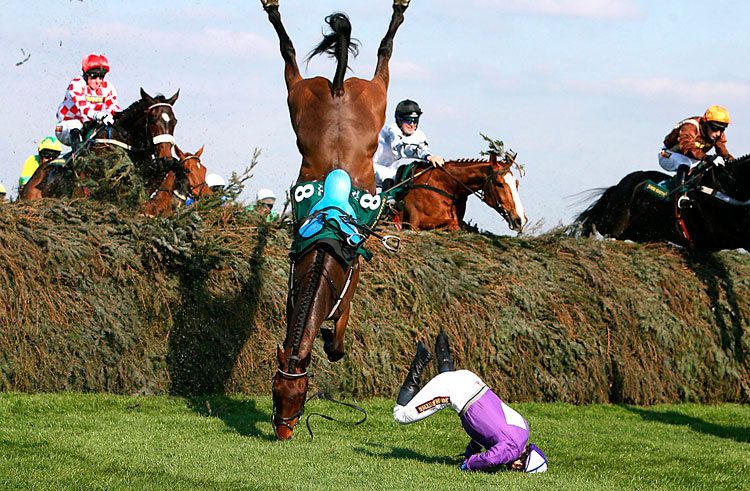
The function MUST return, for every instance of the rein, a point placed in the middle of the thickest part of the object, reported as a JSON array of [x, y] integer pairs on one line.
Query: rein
[[324, 396]]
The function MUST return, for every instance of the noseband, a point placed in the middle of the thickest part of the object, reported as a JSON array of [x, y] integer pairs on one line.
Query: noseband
[[193, 189], [277, 420], [164, 137], [493, 201]]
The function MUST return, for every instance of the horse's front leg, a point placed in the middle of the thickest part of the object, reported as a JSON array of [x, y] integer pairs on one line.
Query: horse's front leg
[[386, 45], [333, 342], [291, 70]]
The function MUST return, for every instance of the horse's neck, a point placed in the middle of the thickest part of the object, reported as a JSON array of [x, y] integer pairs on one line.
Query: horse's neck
[[131, 125], [470, 174]]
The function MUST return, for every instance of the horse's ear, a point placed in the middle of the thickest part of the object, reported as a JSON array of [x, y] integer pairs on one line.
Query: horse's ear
[[172, 99], [199, 152], [493, 158], [180, 153], [281, 356], [146, 97]]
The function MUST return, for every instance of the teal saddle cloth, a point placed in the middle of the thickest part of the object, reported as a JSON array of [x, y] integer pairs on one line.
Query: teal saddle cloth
[[335, 213]]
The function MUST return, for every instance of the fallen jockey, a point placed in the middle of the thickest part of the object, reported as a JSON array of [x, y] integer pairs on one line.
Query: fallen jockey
[[492, 425]]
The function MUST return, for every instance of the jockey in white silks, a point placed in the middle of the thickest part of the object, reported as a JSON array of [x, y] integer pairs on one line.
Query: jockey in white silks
[[401, 143]]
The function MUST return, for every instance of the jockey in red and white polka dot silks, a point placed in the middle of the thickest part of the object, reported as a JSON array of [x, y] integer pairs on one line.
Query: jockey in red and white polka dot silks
[[88, 98]]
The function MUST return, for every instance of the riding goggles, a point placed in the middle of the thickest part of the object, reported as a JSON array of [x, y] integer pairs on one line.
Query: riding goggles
[[49, 154], [410, 121], [96, 73], [716, 126]]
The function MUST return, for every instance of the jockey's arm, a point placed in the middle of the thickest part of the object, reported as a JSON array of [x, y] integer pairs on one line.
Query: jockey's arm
[[689, 142], [111, 102], [721, 147]]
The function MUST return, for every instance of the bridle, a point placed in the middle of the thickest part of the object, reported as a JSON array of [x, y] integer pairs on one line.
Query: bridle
[[277, 420], [488, 191], [155, 140], [185, 172]]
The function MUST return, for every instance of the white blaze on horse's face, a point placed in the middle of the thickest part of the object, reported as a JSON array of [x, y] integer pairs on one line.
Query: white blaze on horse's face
[[512, 183], [166, 117]]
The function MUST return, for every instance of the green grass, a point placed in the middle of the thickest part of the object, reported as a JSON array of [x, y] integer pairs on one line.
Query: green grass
[[68, 441]]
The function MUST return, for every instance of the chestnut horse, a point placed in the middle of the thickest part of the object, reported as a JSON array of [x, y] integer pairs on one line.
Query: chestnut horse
[[436, 198], [187, 178], [145, 129], [337, 125]]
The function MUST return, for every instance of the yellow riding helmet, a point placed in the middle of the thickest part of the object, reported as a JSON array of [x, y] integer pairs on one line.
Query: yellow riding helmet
[[2, 189], [50, 143], [717, 114]]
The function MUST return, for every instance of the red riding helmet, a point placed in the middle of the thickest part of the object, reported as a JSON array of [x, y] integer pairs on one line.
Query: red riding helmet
[[95, 60]]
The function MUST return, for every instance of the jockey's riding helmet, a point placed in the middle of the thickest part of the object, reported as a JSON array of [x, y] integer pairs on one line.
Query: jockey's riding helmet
[[93, 61], [2, 190], [215, 180], [264, 194], [50, 143], [717, 114], [407, 109]]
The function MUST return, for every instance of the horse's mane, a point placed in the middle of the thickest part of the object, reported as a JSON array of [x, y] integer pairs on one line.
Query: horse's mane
[[137, 107], [469, 161]]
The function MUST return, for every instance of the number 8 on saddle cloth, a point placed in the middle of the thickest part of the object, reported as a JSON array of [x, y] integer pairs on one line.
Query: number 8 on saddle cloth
[[333, 210]]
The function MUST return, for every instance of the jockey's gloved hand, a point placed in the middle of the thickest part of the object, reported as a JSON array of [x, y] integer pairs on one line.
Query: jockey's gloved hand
[[104, 117]]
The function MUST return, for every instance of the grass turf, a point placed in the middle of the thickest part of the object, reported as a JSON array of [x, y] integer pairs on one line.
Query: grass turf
[[94, 441]]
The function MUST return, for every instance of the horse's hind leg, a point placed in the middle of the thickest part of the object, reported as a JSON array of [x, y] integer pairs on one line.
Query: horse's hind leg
[[386, 45], [291, 70]]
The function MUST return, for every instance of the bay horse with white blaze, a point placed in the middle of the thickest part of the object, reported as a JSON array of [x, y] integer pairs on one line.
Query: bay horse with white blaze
[[336, 124], [436, 197], [145, 130]]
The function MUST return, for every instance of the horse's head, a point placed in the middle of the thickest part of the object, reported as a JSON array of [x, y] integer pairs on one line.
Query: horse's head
[[501, 193], [289, 395], [160, 123], [191, 173]]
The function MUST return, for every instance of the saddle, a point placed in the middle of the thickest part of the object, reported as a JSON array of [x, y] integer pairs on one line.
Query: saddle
[[336, 214]]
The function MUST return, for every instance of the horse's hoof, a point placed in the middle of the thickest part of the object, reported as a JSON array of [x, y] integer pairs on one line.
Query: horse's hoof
[[329, 337], [401, 3], [270, 3]]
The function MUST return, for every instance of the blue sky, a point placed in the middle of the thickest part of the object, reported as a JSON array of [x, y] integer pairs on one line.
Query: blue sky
[[584, 90]]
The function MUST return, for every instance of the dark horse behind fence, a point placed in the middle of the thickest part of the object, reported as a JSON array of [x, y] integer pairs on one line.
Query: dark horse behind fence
[[145, 130], [337, 125], [436, 197], [638, 209]]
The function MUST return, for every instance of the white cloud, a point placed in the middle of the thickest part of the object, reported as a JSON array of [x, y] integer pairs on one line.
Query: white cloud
[[606, 9], [672, 88]]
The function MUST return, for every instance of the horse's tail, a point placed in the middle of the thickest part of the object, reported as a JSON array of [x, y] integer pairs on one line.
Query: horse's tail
[[586, 222], [338, 44]]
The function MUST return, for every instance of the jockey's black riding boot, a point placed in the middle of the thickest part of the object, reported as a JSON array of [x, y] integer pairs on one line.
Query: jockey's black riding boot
[[443, 353], [75, 139], [682, 200], [411, 384]]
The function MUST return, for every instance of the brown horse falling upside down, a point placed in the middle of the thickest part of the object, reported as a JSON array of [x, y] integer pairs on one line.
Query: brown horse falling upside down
[[337, 125]]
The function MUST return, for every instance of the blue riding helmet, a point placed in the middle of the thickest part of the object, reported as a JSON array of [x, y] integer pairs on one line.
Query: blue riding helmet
[[334, 205]]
